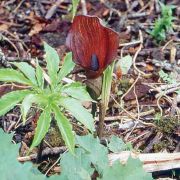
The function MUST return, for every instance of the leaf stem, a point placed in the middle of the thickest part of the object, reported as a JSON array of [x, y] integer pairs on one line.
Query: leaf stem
[[102, 113]]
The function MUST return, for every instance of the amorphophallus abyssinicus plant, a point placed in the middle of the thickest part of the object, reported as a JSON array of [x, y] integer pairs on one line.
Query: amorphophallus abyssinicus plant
[[93, 45]]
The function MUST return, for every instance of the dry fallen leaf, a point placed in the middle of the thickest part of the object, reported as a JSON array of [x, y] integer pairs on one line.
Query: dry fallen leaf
[[149, 67], [36, 28], [4, 27]]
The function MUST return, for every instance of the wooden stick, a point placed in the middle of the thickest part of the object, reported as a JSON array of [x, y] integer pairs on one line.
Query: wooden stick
[[45, 152], [152, 161]]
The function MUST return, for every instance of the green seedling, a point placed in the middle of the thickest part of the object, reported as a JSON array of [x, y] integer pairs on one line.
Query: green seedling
[[163, 24], [51, 98]]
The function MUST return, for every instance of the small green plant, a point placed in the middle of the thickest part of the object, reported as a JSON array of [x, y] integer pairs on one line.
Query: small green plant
[[163, 24], [91, 157], [168, 78], [52, 98]]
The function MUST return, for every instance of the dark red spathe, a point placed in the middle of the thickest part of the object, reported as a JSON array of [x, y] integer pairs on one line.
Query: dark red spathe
[[94, 46]]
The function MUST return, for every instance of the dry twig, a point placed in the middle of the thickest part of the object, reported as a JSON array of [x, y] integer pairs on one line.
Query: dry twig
[[53, 9]]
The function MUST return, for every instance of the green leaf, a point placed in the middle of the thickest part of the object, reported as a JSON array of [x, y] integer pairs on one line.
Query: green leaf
[[106, 86], [76, 167], [125, 63], [78, 111], [27, 70], [26, 105], [9, 100], [67, 66], [76, 90], [42, 127], [133, 169], [65, 128], [84, 174], [168, 78], [11, 75], [74, 7], [116, 144], [10, 168], [52, 60], [97, 153], [39, 75]]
